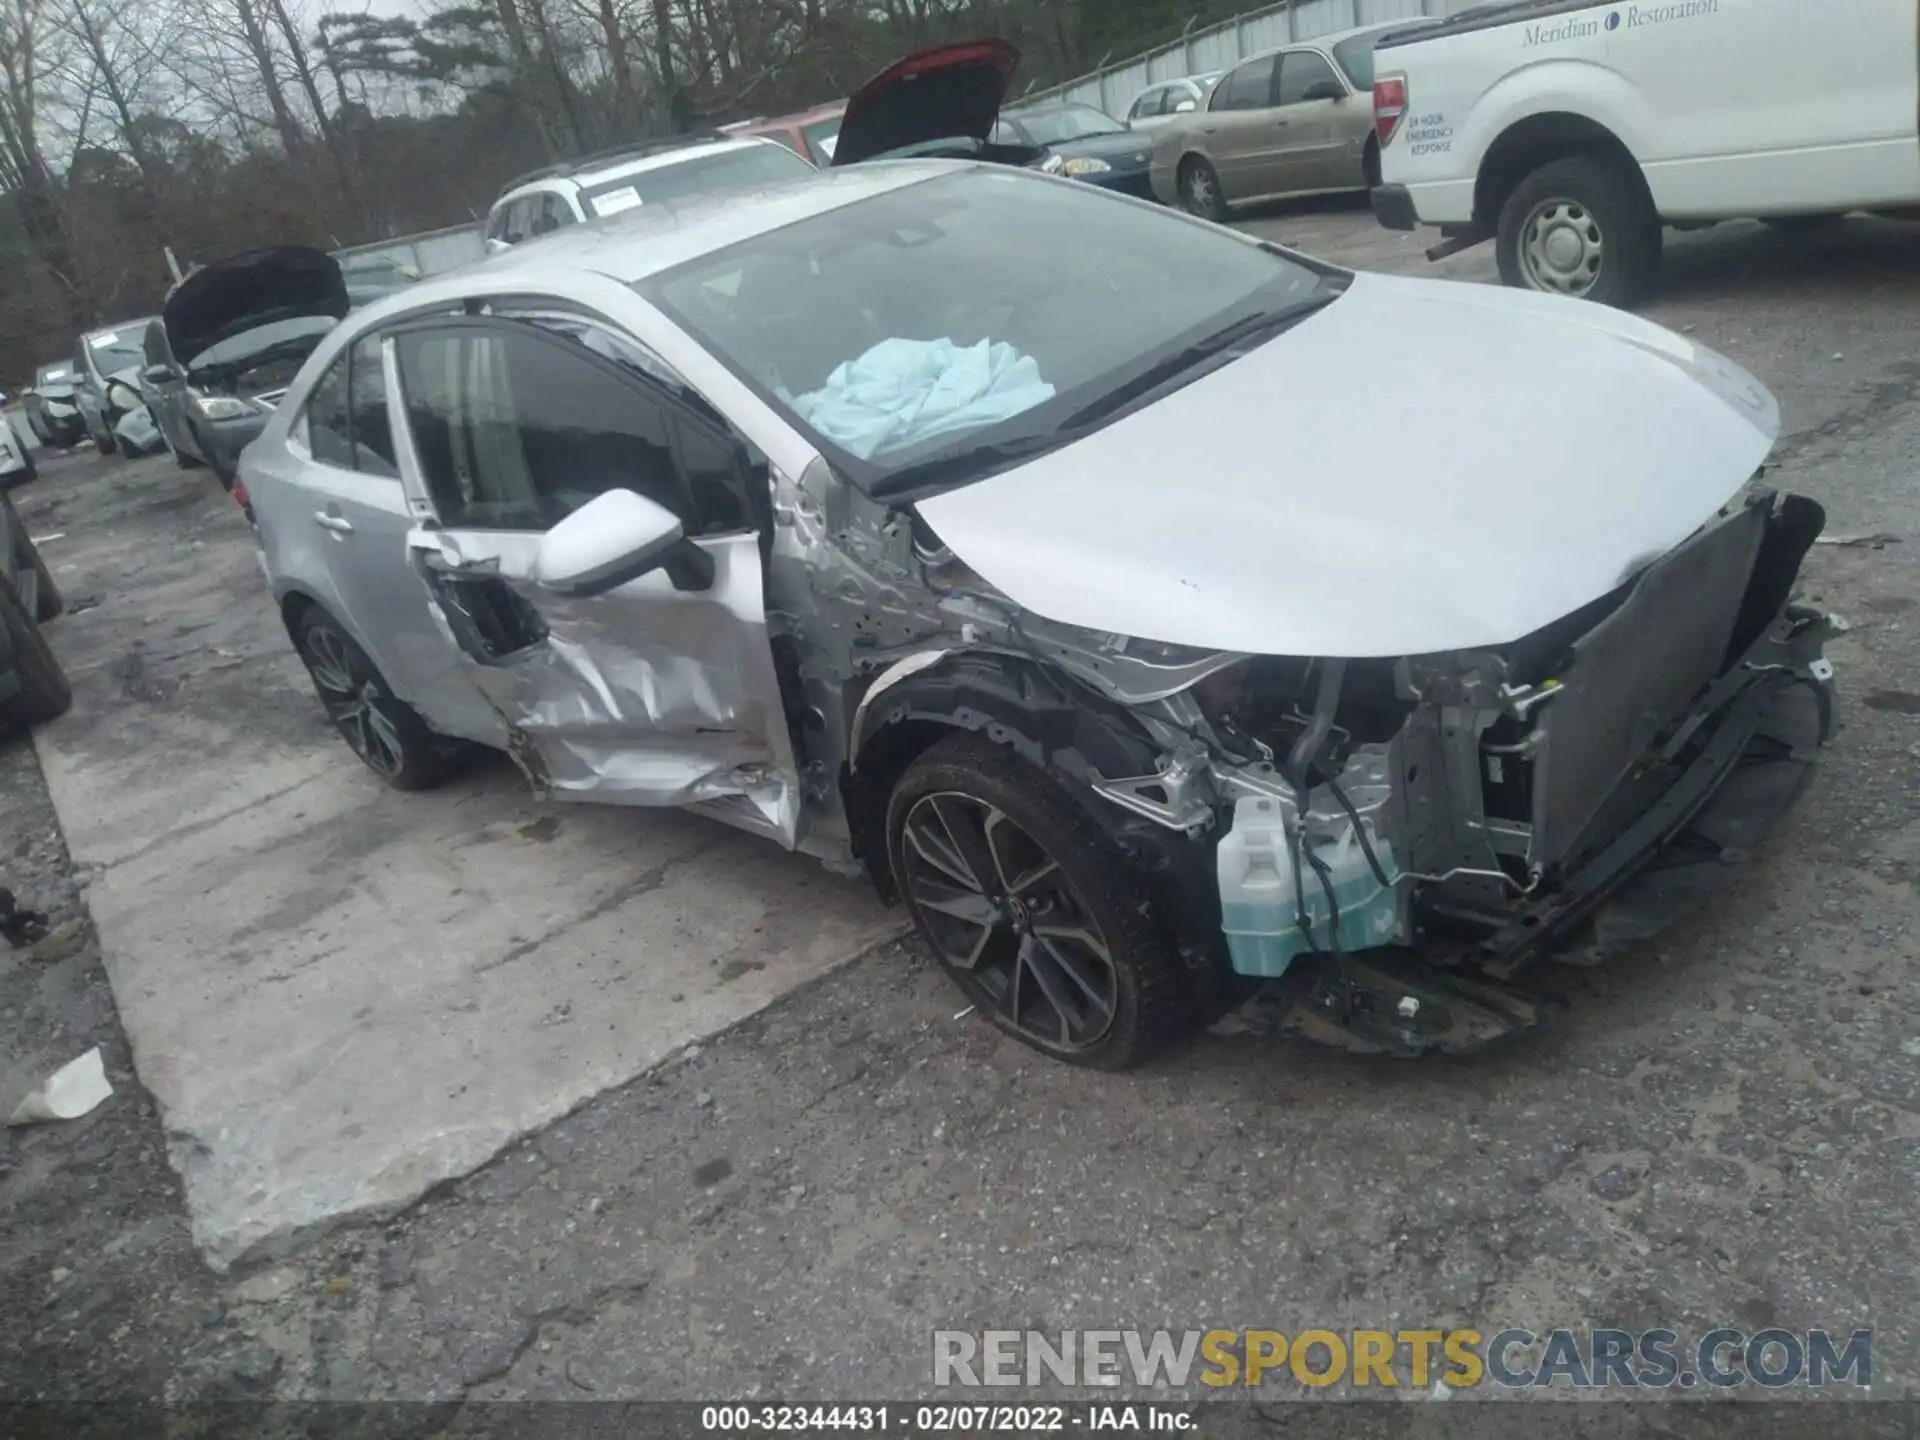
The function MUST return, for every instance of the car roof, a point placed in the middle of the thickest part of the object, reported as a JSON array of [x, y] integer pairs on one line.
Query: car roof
[[614, 168]]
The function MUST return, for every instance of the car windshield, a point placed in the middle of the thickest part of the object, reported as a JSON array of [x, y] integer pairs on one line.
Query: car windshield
[[1356, 55], [116, 349], [983, 306], [251, 344], [1068, 122], [757, 164], [52, 374]]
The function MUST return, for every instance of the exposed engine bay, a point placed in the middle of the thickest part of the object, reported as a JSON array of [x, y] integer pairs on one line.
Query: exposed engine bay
[[1384, 845]]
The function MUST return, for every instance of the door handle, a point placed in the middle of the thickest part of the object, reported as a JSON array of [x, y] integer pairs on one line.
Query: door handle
[[338, 524]]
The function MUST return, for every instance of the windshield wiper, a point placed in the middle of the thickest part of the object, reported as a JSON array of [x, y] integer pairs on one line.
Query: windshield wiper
[[1261, 326], [970, 464]]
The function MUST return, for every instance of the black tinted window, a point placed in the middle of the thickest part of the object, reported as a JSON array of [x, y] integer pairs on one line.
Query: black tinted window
[[328, 436], [516, 430], [1300, 72], [1248, 88], [373, 450], [712, 467]]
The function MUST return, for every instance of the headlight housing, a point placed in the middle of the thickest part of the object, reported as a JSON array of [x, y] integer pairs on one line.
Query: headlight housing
[[122, 397], [1084, 165], [215, 408]]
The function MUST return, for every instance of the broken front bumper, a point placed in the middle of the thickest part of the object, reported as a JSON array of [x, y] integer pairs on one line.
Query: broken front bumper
[[1650, 791]]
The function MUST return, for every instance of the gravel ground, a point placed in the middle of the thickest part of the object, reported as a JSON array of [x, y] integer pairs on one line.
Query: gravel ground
[[1725, 1131]]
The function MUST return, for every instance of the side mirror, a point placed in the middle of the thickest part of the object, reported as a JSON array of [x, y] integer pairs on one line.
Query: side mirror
[[1324, 90], [156, 374], [1183, 107], [616, 537]]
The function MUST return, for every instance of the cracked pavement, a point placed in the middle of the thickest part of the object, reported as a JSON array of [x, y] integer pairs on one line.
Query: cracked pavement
[[1724, 1131]]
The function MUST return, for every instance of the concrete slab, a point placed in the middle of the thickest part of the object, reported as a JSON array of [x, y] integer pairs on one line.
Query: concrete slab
[[338, 994]]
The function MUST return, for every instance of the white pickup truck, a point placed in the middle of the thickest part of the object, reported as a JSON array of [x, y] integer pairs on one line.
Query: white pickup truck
[[1569, 131]]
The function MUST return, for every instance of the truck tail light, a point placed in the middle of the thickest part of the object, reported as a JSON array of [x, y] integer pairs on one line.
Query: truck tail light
[[1389, 105]]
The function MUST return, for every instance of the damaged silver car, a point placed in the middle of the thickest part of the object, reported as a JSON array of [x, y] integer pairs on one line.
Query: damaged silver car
[[1036, 551]]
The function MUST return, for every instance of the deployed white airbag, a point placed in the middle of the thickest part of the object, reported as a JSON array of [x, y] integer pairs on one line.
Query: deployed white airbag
[[904, 392]]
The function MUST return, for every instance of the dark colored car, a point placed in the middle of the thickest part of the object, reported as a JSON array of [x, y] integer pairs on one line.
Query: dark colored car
[[53, 412], [1085, 143], [941, 104], [229, 341], [33, 687]]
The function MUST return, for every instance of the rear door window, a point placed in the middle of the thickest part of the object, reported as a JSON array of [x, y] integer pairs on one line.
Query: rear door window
[[372, 427], [1154, 102], [329, 429]]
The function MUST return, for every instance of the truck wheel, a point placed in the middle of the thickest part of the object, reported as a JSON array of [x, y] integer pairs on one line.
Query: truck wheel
[[1029, 908], [105, 443], [1583, 228], [44, 692]]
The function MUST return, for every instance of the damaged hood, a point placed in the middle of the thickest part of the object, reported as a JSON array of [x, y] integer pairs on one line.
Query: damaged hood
[[1420, 467], [246, 291], [953, 92]]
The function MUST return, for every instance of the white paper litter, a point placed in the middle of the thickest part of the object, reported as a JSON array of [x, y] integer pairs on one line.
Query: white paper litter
[[70, 1092]]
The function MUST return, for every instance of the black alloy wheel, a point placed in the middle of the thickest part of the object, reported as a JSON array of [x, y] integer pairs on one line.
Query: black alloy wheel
[[1029, 908], [383, 730]]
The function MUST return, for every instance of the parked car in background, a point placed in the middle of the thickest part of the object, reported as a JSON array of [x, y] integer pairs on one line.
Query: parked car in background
[[1570, 136], [653, 172], [16, 457], [1162, 104], [232, 336], [106, 368], [929, 516], [53, 412], [810, 133], [937, 104], [33, 687], [1083, 143], [1294, 121]]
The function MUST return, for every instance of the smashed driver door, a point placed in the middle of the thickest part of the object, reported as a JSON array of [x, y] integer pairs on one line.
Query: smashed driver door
[[648, 694]]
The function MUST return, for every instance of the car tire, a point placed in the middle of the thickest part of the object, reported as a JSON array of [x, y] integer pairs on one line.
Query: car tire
[[44, 692], [1055, 946], [1200, 190], [180, 457], [105, 443], [1582, 227], [383, 730]]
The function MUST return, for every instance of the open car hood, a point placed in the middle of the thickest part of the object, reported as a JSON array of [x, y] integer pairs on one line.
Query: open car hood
[[1420, 467], [950, 93], [249, 290]]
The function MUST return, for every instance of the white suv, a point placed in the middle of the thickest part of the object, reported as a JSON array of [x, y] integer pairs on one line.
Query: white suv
[[647, 173]]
